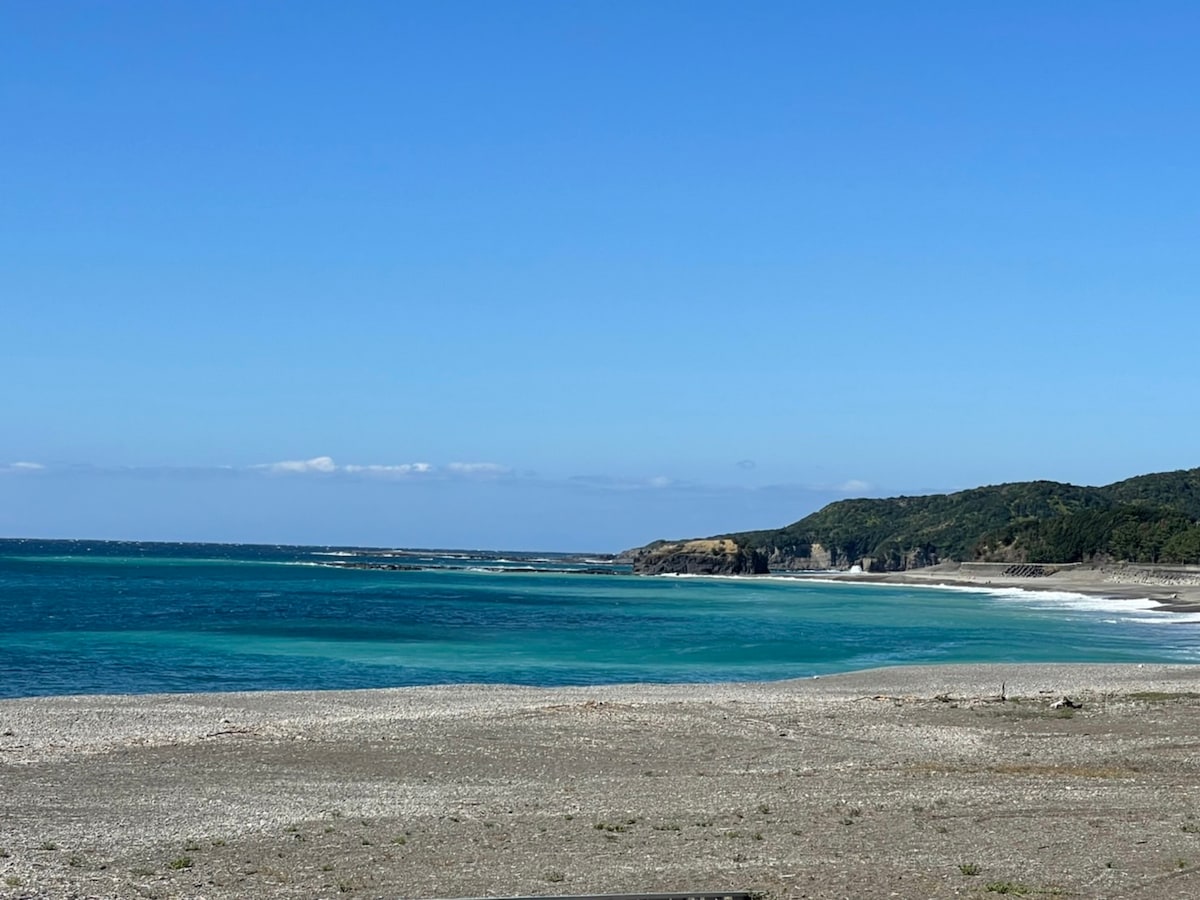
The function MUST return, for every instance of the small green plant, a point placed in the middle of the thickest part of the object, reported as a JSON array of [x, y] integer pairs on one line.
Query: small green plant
[[328, 867], [554, 876], [668, 827], [12, 881], [1190, 828], [609, 826], [191, 846], [400, 840], [180, 862], [48, 845], [75, 860], [764, 808], [968, 868], [345, 887], [219, 842], [757, 836]]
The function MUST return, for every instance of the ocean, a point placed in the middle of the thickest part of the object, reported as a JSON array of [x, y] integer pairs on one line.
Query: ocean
[[91, 617]]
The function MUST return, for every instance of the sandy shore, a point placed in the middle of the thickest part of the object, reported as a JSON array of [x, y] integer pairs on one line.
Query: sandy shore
[[911, 782]]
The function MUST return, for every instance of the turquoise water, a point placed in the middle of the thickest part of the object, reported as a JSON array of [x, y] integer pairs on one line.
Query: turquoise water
[[93, 617]]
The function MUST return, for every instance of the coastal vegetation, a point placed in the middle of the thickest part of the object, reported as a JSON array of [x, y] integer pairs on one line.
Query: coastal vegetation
[[1148, 519]]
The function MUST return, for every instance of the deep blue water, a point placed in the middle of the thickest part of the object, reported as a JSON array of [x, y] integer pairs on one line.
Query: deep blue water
[[97, 617]]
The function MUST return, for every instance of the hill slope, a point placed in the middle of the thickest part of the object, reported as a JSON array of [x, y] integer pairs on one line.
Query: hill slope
[[1151, 518]]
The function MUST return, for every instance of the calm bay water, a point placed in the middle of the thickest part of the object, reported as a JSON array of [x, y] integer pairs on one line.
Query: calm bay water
[[96, 617]]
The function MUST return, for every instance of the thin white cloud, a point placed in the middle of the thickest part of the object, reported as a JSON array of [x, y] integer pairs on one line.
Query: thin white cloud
[[323, 464], [477, 468], [854, 485], [18, 468], [625, 484], [390, 471]]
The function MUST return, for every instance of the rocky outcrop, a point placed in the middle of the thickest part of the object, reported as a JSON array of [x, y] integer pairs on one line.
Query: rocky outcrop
[[704, 557], [814, 556]]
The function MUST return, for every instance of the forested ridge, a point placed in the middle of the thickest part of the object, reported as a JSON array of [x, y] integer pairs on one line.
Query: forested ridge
[[1150, 518]]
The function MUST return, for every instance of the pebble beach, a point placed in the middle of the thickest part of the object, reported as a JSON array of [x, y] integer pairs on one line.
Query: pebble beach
[[942, 781]]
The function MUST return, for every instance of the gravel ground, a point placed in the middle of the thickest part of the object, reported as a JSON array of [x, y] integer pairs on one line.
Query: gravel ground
[[910, 782]]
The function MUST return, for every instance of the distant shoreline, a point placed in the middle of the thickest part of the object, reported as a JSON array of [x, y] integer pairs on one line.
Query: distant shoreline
[[1183, 597], [1089, 581]]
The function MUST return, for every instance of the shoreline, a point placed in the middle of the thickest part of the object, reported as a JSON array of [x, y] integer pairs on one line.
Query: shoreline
[[891, 780], [1088, 582]]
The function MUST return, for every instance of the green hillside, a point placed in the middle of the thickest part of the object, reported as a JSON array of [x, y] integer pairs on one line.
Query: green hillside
[[1150, 518]]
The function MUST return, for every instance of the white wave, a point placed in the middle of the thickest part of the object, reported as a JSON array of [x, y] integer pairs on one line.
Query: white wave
[[1165, 617], [1069, 600], [333, 553], [1032, 597]]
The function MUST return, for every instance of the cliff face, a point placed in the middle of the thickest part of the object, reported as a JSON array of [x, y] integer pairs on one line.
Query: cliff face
[[788, 559], [707, 557]]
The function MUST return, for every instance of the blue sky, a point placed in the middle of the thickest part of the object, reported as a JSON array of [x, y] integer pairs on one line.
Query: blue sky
[[580, 275]]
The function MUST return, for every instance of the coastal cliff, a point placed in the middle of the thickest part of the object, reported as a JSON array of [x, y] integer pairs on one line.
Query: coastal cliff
[[700, 557]]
